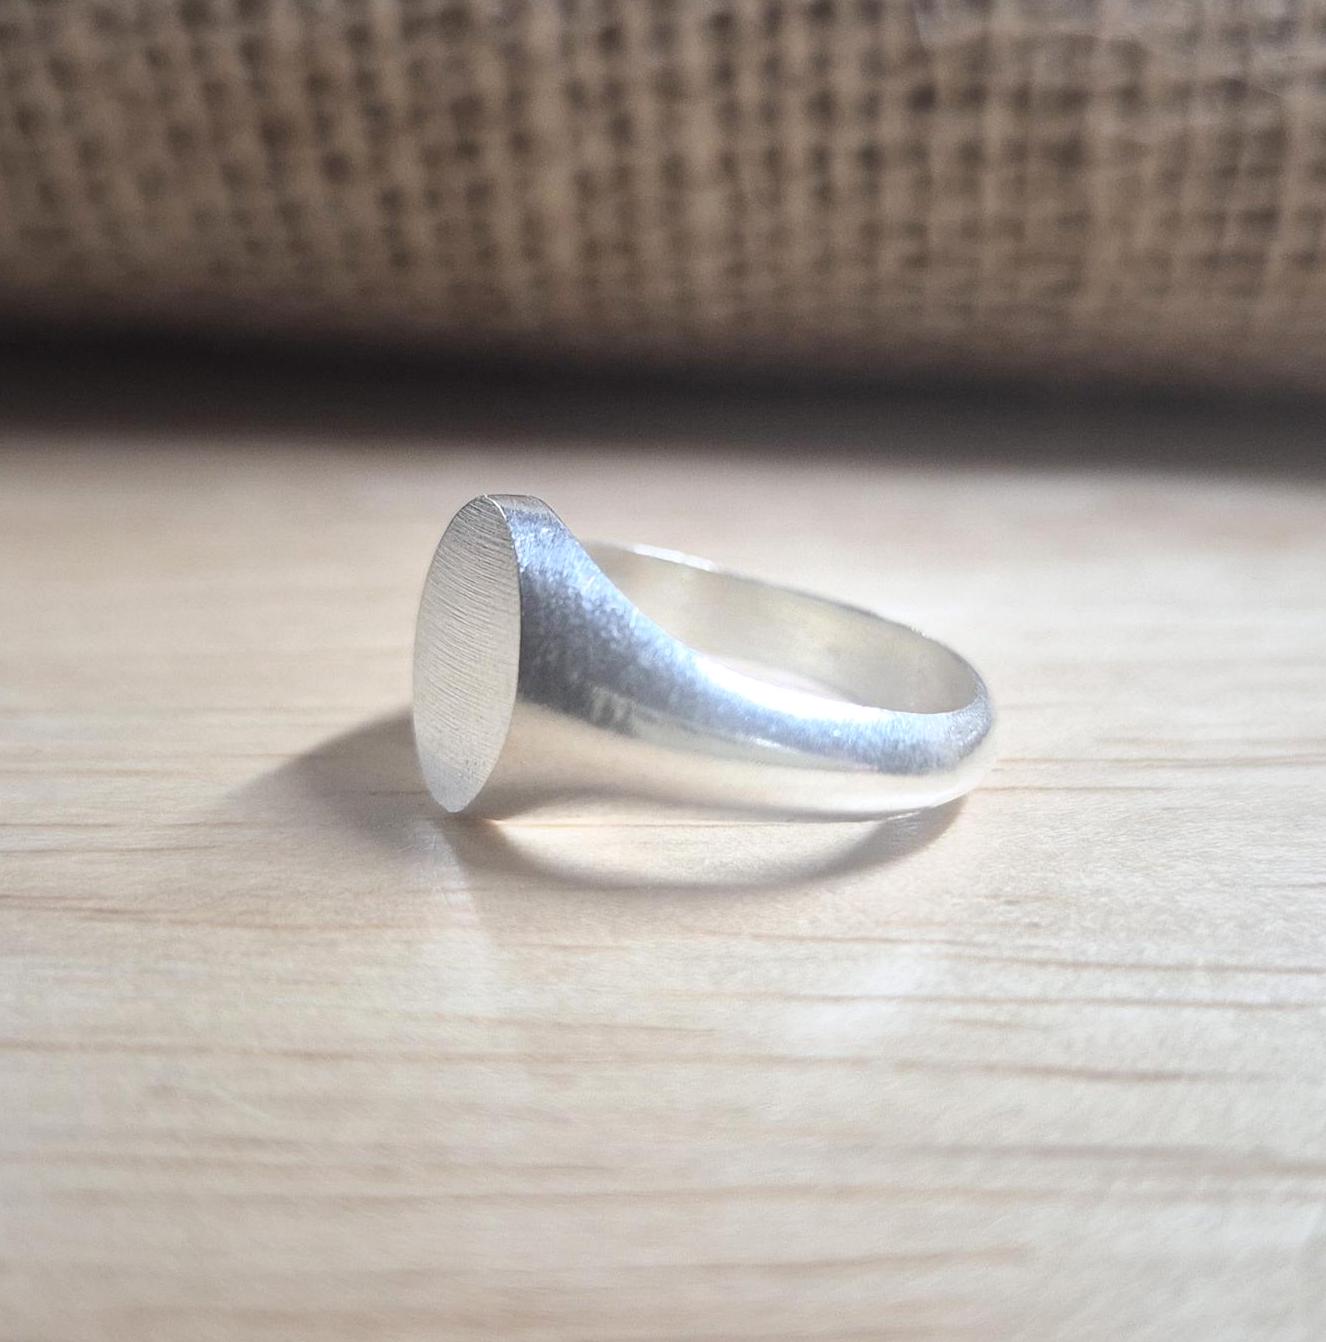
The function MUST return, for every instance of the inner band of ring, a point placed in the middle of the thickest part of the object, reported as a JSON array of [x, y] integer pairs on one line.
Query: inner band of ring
[[834, 648]]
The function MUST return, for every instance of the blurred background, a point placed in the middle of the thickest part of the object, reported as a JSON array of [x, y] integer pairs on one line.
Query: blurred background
[[1131, 190]]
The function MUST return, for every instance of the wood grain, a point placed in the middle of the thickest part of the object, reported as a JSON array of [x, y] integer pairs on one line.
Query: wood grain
[[284, 1057]]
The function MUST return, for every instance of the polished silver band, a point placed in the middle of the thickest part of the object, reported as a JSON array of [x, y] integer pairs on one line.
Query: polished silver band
[[547, 671]]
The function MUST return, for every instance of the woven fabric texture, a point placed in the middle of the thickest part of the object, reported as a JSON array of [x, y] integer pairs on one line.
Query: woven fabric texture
[[1131, 187]]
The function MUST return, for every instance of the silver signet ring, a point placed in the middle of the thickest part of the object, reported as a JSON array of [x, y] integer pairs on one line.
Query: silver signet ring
[[547, 671]]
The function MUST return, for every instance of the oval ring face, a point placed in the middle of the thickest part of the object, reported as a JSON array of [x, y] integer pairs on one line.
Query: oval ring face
[[467, 654]]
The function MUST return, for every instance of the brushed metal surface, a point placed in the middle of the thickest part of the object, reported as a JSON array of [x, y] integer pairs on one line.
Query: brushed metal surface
[[549, 672]]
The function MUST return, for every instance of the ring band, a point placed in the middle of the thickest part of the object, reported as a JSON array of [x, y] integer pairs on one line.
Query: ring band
[[545, 670]]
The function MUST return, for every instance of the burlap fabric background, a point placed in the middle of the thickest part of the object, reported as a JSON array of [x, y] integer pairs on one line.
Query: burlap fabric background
[[1071, 186]]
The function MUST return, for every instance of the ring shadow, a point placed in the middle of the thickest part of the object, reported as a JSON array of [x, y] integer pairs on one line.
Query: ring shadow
[[367, 781]]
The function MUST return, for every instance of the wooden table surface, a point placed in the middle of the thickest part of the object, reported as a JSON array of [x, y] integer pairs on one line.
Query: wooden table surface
[[284, 1056]]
